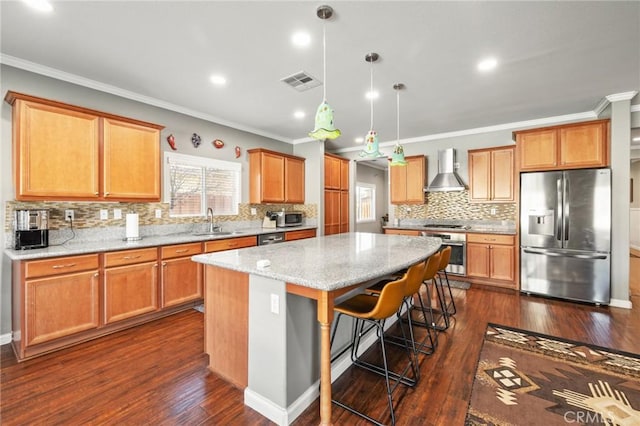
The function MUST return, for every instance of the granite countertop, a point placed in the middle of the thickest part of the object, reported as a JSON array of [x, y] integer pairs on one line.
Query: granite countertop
[[480, 229], [86, 247], [331, 262]]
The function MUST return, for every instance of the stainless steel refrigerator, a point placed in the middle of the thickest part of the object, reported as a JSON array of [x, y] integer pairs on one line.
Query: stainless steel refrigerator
[[565, 234]]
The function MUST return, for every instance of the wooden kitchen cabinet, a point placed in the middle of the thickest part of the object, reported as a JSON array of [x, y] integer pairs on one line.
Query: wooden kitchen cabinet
[[571, 146], [407, 182], [181, 278], [52, 299], [492, 175], [491, 259], [336, 194], [275, 177], [114, 158], [130, 280], [411, 232], [131, 161], [299, 235], [230, 243]]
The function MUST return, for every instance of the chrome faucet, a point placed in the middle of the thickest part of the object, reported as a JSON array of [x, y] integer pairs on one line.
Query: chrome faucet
[[212, 227]]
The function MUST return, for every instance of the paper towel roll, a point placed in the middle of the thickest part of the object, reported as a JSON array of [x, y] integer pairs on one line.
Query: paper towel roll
[[131, 229]]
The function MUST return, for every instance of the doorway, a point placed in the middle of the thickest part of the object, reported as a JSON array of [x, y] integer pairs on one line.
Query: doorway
[[372, 183]]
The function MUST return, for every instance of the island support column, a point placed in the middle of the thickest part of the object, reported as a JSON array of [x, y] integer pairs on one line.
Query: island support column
[[325, 317]]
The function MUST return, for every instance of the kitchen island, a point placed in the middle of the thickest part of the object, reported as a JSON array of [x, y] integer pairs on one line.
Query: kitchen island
[[261, 330]]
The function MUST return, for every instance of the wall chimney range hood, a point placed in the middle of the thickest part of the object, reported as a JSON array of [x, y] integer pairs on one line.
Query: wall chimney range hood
[[446, 179]]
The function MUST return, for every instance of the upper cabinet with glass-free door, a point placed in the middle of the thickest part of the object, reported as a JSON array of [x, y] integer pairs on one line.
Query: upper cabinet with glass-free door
[[571, 146], [66, 152], [407, 182]]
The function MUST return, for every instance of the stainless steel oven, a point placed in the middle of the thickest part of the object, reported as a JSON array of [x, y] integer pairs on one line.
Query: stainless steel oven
[[458, 243]]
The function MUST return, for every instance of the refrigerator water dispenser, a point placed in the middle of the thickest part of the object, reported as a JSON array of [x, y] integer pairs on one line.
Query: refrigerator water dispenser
[[541, 221]]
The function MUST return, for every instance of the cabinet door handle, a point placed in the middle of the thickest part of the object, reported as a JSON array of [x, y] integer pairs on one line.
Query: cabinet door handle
[[106, 194], [131, 257], [68, 265], [164, 264], [182, 251]]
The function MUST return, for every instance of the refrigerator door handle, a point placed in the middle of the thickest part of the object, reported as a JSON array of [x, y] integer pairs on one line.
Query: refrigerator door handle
[[572, 255], [566, 207], [559, 212]]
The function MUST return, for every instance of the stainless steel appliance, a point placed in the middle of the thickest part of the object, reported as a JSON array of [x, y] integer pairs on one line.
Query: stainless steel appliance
[[447, 179], [458, 243], [270, 238], [565, 234], [31, 229], [287, 219]]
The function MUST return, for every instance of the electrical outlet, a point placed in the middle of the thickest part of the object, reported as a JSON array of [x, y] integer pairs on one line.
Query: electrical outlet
[[104, 214], [69, 216], [158, 214], [275, 304], [253, 211], [493, 211], [117, 213]]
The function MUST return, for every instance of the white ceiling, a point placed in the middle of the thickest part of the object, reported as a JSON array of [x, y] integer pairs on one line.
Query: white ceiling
[[555, 58]]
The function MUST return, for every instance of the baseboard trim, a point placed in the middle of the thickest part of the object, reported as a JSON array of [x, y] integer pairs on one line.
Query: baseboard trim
[[284, 417], [617, 303], [5, 339]]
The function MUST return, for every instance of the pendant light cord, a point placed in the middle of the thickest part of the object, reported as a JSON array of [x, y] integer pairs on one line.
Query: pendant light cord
[[324, 61], [371, 95], [398, 116]]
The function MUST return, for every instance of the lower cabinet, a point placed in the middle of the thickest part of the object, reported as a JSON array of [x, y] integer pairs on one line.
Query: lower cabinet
[[402, 232], [181, 278], [130, 284], [491, 259], [299, 235], [53, 299]]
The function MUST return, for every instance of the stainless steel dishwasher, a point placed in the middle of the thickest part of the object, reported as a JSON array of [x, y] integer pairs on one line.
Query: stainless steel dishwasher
[[270, 238]]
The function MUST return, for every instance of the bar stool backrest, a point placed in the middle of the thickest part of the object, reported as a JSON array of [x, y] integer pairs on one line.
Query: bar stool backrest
[[433, 265], [445, 257], [390, 299], [414, 277]]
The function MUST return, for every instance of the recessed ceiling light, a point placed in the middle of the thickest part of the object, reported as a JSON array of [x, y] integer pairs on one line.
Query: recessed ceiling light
[[301, 39], [372, 95], [359, 140], [636, 139], [218, 80], [487, 64], [299, 114], [40, 5]]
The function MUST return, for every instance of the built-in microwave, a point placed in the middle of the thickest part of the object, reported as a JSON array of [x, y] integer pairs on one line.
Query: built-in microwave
[[286, 219]]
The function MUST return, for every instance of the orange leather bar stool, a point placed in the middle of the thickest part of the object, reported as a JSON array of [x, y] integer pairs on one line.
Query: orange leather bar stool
[[415, 276], [373, 309], [445, 306]]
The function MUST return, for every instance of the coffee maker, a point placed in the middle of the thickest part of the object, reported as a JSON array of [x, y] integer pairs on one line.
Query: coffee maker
[[31, 229]]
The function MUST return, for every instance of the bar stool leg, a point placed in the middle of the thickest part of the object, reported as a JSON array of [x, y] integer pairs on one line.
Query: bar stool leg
[[451, 304]]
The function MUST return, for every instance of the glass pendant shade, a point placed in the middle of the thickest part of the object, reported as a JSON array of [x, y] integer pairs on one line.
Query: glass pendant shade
[[324, 128], [371, 149], [397, 158]]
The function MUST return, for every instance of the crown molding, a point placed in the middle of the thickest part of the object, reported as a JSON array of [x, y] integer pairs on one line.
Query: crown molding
[[518, 125], [117, 91], [624, 96]]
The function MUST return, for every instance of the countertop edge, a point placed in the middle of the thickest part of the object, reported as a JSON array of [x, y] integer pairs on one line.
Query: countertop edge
[[90, 247]]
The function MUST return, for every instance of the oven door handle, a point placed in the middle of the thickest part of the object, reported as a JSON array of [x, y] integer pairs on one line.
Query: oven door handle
[[453, 243]]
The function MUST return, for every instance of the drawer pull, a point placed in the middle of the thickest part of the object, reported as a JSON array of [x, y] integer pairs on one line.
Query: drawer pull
[[131, 257], [182, 251], [232, 245], [68, 265]]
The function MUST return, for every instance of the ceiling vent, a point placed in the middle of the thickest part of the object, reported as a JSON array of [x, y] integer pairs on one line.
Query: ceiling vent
[[301, 81]]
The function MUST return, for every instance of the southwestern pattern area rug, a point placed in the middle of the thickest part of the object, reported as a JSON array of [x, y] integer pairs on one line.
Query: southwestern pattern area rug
[[526, 378]]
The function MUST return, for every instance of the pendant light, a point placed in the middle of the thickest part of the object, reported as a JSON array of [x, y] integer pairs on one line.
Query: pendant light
[[324, 128], [397, 158], [371, 140]]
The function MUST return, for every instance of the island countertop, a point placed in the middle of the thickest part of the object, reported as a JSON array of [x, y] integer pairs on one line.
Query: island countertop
[[328, 263]]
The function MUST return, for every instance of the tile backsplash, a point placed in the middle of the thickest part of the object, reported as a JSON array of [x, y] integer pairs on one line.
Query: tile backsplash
[[456, 205], [87, 216]]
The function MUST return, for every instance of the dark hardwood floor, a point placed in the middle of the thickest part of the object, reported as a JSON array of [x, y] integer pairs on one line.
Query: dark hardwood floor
[[156, 373]]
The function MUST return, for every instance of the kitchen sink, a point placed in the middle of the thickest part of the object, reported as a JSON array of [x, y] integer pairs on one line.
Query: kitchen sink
[[218, 233]]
